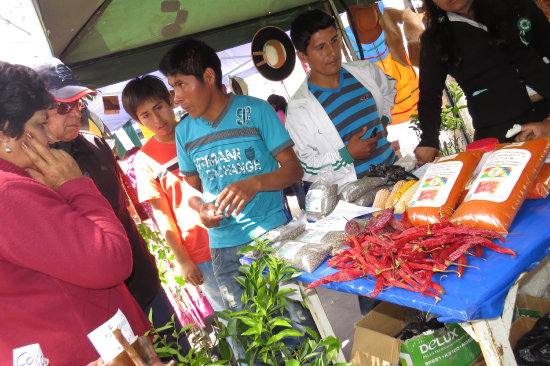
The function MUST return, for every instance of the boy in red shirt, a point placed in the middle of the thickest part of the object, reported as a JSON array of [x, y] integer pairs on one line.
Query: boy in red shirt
[[148, 101]]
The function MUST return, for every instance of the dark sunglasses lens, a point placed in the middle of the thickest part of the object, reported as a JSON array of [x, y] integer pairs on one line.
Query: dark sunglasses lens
[[64, 108]]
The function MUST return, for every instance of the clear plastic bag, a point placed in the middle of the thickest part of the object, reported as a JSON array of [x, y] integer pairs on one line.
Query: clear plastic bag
[[322, 197], [354, 190], [304, 256], [332, 238], [284, 232]]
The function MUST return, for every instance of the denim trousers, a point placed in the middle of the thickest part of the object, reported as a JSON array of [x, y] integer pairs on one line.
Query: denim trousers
[[210, 287]]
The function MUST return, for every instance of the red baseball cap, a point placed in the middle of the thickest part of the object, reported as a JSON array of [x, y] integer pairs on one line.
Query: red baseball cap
[[60, 81]]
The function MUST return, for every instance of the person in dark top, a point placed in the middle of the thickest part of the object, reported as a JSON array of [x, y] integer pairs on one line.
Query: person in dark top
[[498, 52], [96, 160]]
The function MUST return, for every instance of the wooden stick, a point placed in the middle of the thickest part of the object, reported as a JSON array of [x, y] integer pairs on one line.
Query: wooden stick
[[136, 358]]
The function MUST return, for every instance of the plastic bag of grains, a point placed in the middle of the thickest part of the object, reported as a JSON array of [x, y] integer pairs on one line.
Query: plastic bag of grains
[[354, 190], [321, 198], [333, 238], [284, 232], [304, 256]]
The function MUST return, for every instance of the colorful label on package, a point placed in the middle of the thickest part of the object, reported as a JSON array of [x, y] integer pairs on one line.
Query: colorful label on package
[[314, 198], [499, 175], [436, 185]]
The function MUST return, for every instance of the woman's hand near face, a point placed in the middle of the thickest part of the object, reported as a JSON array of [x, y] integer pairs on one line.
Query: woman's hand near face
[[51, 166]]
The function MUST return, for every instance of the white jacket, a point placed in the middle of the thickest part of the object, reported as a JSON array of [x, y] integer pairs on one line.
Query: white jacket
[[317, 142]]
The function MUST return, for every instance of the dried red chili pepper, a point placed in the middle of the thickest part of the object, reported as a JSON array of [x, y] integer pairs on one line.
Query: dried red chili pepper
[[340, 276]]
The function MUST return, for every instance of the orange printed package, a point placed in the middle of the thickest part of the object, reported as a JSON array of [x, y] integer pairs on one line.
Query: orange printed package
[[541, 185], [502, 185], [441, 186]]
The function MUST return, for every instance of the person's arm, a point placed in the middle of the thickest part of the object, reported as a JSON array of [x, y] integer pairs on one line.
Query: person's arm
[[431, 83], [302, 128], [386, 85], [169, 229], [235, 196], [528, 59], [206, 210], [72, 234], [534, 130]]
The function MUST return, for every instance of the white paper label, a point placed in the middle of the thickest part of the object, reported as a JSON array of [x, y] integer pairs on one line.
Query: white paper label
[[436, 185], [313, 236], [314, 198], [30, 355], [499, 175], [105, 342], [337, 220], [289, 250]]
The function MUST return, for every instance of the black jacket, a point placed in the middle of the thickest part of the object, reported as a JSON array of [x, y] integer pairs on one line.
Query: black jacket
[[492, 77]]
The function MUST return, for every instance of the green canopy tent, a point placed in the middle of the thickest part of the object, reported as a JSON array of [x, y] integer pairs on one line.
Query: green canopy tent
[[107, 41]]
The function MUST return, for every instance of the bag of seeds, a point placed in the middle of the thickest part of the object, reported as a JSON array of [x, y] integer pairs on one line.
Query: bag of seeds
[[321, 198], [333, 238], [284, 232], [304, 256], [354, 190]]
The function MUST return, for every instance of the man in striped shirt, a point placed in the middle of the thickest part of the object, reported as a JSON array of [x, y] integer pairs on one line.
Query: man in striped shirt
[[338, 117]]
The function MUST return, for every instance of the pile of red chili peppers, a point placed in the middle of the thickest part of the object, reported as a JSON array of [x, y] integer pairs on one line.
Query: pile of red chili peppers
[[399, 255]]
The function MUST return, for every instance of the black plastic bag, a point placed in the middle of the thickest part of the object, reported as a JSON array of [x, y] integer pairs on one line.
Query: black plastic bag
[[533, 349]]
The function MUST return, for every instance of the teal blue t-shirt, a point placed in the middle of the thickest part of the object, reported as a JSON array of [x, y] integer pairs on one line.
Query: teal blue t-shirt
[[242, 142]]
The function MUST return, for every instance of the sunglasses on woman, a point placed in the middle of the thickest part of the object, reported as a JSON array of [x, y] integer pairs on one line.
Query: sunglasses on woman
[[65, 108]]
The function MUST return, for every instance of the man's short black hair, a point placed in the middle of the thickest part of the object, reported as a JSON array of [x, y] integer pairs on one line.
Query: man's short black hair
[[192, 57], [22, 94], [306, 24], [142, 89]]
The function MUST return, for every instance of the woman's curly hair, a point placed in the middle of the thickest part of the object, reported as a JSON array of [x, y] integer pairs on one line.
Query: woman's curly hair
[[22, 94]]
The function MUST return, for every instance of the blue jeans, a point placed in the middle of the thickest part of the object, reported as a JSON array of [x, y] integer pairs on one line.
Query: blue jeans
[[225, 263], [210, 286], [162, 314]]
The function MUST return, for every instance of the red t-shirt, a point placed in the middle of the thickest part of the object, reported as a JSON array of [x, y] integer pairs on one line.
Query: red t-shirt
[[157, 174]]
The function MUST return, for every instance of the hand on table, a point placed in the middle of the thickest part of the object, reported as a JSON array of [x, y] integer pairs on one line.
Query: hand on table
[[51, 166], [425, 154], [235, 196], [362, 148], [534, 130]]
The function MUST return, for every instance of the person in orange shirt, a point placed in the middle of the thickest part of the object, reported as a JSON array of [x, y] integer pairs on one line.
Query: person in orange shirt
[[148, 101]]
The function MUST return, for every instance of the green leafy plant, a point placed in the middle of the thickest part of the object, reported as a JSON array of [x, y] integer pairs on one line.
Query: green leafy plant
[[261, 329]]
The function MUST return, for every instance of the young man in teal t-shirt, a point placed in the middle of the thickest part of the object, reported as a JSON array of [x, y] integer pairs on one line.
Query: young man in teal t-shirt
[[234, 149]]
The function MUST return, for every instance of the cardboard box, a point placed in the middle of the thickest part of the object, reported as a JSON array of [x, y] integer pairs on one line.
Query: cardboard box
[[532, 306], [374, 343], [528, 310]]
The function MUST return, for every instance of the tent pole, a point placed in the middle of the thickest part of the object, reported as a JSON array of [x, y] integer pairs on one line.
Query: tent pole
[[343, 32], [285, 90]]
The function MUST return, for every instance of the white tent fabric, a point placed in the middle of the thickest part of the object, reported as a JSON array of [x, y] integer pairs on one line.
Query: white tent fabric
[[236, 61]]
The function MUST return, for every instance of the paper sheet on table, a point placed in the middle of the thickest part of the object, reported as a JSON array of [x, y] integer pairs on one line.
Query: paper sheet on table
[[105, 342], [336, 221]]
